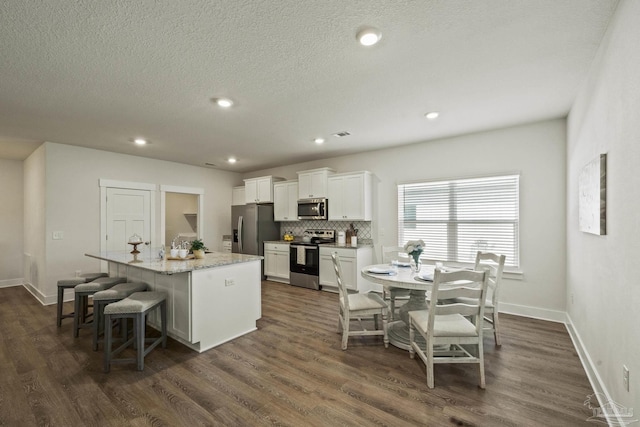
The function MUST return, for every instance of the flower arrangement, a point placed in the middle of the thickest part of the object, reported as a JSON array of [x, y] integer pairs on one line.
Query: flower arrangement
[[414, 249]]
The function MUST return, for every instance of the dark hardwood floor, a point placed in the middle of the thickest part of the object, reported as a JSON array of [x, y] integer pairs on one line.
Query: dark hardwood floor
[[290, 372]]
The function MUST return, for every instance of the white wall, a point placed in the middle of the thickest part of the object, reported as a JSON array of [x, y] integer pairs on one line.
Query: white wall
[[34, 218], [537, 151], [601, 269], [11, 229], [72, 203]]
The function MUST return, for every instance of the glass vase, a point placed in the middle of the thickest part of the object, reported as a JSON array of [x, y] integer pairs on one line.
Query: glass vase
[[416, 265]]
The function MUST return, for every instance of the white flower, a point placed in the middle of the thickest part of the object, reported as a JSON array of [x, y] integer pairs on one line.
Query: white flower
[[414, 246]]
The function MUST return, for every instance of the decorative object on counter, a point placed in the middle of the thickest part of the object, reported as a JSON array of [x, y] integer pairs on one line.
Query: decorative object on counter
[[354, 241], [198, 248], [414, 249], [161, 253], [288, 236], [135, 240]]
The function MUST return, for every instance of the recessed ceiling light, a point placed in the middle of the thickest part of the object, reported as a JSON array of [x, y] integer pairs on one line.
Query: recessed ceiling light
[[368, 36], [319, 140], [432, 115], [140, 141], [232, 160], [223, 102]]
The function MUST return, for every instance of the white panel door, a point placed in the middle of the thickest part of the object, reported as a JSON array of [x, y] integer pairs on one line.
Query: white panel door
[[128, 213]]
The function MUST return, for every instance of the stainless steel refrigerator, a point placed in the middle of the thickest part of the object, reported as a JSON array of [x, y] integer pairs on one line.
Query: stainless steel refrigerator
[[253, 224]]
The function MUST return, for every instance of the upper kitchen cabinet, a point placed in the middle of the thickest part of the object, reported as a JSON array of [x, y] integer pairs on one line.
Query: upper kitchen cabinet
[[312, 184], [237, 196], [350, 196], [259, 190], [285, 201]]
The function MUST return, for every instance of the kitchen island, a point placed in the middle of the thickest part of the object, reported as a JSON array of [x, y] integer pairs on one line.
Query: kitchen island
[[209, 301]]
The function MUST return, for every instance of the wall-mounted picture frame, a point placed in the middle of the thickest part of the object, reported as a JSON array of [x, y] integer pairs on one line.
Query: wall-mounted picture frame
[[592, 197]]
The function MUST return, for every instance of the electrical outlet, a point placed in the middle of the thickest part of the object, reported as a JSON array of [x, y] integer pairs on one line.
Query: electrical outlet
[[625, 377], [78, 273], [229, 282], [57, 235]]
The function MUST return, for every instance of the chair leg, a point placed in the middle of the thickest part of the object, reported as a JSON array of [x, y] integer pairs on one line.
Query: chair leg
[[496, 328], [385, 328], [345, 331], [429, 352], [481, 364]]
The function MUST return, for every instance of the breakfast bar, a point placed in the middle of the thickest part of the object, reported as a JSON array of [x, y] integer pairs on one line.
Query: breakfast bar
[[209, 301]]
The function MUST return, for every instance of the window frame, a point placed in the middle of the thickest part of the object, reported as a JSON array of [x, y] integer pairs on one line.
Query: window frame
[[455, 188]]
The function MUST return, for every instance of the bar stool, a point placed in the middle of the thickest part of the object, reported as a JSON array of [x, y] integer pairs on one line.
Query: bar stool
[[70, 284], [136, 307], [83, 291], [102, 298]]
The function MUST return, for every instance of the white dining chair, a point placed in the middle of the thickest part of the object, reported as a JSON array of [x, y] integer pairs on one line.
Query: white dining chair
[[494, 263], [359, 306], [451, 324], [388, 255]]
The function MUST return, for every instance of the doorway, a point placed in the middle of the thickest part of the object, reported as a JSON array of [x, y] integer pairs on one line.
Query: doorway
[[181, 210]]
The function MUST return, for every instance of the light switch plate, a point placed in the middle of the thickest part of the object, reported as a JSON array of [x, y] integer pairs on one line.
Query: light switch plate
[[57, 235]]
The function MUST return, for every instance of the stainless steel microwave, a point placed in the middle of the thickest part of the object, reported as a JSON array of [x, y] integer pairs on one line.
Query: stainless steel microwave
[[312, 209]]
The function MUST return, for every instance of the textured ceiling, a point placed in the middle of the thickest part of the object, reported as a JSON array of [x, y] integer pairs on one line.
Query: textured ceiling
[[99, 73]]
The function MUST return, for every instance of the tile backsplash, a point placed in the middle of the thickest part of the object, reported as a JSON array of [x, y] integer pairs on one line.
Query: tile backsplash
[[298, 227]]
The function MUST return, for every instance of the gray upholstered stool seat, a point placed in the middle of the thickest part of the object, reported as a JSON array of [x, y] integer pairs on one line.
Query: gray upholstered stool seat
[[83, 291], [102, 298], [136, 307], [71, 283]]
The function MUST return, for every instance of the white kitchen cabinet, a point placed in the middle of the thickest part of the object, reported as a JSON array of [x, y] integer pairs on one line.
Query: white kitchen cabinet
[[276, 262], [285, 201], [238, 196], [352, 261], [350, 196], [259, 190], [312, 184]]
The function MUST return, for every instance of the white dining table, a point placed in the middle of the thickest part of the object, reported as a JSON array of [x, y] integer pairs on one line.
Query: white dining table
[[405, 278]]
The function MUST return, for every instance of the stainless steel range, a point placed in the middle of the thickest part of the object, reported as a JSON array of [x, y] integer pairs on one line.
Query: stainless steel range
[[304, 258]]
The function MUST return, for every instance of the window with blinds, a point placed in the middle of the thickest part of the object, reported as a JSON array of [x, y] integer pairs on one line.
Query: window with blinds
[[457, 218]]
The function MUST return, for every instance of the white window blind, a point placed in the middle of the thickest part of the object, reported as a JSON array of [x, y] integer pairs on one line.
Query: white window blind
[[457, 218]]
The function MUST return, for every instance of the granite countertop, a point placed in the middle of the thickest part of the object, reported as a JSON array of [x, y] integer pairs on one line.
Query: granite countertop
[[149, 260], [365, 244]]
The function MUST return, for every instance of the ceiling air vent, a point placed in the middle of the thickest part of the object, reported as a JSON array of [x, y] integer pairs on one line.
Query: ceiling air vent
[[209, 164], [341, 134]]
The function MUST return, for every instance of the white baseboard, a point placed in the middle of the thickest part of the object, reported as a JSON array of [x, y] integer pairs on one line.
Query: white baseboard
[[44, 299], [534, 312], [599, 389], [11, 282]]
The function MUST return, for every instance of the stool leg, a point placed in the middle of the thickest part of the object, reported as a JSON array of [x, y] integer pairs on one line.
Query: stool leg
[[140, 323], [107, 343], [76, 315], [163, 322], [60, 300], [97, 316]]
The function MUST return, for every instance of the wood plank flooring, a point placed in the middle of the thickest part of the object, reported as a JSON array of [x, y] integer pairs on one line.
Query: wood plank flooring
[[291, 372]]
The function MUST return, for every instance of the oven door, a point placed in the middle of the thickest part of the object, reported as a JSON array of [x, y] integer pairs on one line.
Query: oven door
[[304, 259]]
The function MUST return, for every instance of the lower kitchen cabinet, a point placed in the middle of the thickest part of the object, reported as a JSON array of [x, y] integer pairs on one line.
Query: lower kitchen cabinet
[[276, 262], [352, 261]]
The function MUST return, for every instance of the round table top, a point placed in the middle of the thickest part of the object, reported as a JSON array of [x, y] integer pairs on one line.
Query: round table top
[[405, 278]]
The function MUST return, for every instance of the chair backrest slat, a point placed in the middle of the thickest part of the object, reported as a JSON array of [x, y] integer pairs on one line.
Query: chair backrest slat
[[494, 263], [446, 287]]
